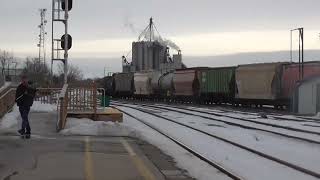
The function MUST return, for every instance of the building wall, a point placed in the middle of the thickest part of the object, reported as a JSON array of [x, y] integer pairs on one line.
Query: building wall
[[147, 56], [307, 97]]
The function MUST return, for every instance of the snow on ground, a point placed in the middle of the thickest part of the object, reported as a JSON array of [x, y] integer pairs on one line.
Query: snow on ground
[[133, 128], [268, 143], [248, 165], [88, 127], [6, 84], [252, 124], [274, 145], [304, 124], [13, 118], [38, 107], [195, 167], [317, 116], [10, 119]]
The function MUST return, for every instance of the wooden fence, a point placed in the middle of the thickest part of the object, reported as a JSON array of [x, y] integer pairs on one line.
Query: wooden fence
[[48, 95], [7, 100], [83, 99], [68, 100], [77, 100]]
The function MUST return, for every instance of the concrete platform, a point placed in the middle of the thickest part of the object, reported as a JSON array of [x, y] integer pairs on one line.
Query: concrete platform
[[74, 158], [51, 156], [109, 114]]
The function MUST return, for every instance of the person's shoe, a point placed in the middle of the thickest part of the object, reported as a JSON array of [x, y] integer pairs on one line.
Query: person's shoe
[[21, 132], [28, 136]]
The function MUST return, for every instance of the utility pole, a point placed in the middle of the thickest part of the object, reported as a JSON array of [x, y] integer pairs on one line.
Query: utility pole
[[301, 50], [60, 13], [42, 36]]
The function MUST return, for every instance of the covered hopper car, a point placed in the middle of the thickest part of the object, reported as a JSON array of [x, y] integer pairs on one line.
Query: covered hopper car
[[123, 84], [251, 84]]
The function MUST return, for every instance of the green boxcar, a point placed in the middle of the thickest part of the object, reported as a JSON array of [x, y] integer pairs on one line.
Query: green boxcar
[[217, 84]]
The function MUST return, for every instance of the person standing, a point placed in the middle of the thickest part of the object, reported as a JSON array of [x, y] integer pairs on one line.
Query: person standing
[[24, 99]]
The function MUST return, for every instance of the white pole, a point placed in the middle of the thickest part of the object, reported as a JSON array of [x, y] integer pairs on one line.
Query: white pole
[[66, 42]]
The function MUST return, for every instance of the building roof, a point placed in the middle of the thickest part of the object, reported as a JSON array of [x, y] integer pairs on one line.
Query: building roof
[[307, 80]]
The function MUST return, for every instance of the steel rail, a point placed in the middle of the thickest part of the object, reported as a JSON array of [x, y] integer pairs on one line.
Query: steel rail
[[190, 150], [240, 125], [277, 160]]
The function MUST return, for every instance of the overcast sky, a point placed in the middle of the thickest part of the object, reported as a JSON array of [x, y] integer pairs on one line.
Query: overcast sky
[[200, 27]]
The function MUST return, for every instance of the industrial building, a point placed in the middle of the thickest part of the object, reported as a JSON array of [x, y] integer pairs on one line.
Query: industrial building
[[152, 54], [306, 99]]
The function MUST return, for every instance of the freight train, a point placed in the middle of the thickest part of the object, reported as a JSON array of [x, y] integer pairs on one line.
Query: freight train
[[246, 85]]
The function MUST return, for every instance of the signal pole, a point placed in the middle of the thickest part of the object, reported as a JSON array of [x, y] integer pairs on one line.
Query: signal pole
[[301, 50], [42, 36], [60, 13], [66, 16]]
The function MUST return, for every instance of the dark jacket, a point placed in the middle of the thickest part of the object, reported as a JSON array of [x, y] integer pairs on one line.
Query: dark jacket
[[25, 96]]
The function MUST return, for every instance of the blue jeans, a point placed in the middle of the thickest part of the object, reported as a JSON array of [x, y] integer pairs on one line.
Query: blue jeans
[[24, 112]]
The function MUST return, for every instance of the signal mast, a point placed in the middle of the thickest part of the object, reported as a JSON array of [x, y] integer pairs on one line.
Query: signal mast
[[42, 36]]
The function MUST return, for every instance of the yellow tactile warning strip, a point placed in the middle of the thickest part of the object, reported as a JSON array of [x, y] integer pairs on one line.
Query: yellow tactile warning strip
[[142, 168], [88, 161]]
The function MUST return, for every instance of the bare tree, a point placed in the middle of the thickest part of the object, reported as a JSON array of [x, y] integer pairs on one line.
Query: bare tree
[[5, 60], [37, 71], [74, 73]]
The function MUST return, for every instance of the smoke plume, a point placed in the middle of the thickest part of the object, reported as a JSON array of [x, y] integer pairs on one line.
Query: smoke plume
[[167, 42], [130, 25]]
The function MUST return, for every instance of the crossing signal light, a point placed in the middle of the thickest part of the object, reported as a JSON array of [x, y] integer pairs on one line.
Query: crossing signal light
[[63, 4], [69, 42]]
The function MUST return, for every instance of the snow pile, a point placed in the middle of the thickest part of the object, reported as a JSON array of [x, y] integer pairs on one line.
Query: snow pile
[[10, 119], [5, 86], [317, 115], [94, 128], [38, 107]]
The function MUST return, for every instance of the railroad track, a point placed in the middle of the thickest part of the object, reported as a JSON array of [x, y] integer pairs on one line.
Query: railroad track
[[264, 155], [244, 126], [271, 114], [237, 118], [189, 149]]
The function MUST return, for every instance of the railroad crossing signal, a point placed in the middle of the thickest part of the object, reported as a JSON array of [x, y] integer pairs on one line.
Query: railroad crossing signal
[[63, 5], [69, 39], [61, 46]]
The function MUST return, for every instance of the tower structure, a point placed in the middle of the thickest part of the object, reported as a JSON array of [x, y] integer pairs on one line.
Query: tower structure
[[42, 36], [61, 46]]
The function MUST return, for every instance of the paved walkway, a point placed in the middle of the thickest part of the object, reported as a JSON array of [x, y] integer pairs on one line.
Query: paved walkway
[[50, 156]]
